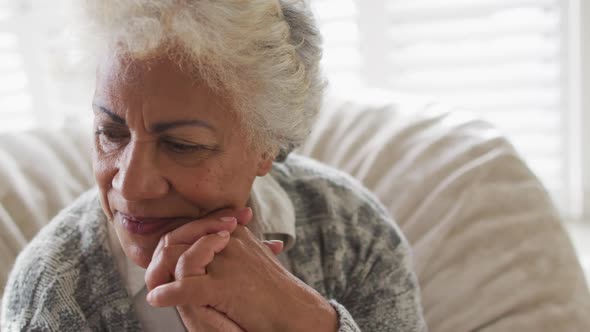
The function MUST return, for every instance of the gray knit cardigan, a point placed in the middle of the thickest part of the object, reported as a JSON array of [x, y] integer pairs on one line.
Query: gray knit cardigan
[[346, 248]]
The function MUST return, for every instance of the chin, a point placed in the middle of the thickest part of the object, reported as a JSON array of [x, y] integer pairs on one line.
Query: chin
[[140, 254], [139, 249]]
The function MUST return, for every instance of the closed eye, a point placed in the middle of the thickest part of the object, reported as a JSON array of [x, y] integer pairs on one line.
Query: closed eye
[[111, 135], [186, 148]]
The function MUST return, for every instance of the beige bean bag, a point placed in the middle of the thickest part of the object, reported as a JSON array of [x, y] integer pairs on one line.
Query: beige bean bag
[[489, 248]]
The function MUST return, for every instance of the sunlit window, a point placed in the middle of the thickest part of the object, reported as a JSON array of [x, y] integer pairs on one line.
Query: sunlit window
[[503, 60]]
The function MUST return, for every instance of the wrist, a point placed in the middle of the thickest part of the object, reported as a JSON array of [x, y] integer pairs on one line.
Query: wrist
[[311, 312], [329, 320]]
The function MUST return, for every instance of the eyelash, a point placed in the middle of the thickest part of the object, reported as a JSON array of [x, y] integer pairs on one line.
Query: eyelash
[[181, 148], [175, 147], [111, 135]]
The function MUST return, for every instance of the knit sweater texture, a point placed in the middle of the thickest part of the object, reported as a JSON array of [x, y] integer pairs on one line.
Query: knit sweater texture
[[347, 248]]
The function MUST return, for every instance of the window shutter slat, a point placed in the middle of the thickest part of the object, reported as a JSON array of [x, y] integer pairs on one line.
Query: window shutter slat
[[429, 10], [15, 98], [501, 24], [342, 58], [501, 59]]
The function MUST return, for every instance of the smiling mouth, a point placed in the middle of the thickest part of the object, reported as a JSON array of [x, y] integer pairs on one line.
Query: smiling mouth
[[147, 226]]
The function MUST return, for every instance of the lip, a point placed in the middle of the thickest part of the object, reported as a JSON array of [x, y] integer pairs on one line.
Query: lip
[[147, 225]]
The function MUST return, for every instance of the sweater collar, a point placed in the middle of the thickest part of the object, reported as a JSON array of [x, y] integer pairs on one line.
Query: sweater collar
[[274, 219]]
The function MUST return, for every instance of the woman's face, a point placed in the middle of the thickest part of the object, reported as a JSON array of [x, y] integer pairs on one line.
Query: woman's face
[[167, 151]]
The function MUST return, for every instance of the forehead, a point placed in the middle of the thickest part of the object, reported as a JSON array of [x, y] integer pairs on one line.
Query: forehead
[[117, 75], [156, 85]]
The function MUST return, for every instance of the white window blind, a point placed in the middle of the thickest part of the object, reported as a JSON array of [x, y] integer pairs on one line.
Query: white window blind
[[16, 102], [342, 58], [43, 78], [505, 60]]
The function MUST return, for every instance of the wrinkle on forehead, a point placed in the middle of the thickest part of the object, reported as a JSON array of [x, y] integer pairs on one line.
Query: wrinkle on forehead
[[153, 87]]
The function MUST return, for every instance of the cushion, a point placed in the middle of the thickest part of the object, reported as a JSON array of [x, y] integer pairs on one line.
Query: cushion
[[40, 173], [490, 250]]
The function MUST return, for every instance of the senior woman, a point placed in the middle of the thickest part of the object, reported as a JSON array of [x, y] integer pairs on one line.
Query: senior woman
[[202, 219]]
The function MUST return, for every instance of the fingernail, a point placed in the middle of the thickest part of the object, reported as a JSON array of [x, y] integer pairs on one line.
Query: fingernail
[[228, 219], [223, 233], [278, 242]]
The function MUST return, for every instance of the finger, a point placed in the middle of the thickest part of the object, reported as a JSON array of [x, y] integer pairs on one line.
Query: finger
[[276, 246], [207, 319], [197, 229], [163, 264], [194, 261], [173, 244], [245, 216], [190, 290], [216, 222]]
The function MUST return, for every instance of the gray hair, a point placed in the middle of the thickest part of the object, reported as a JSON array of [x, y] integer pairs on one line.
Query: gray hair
[[264, 53]]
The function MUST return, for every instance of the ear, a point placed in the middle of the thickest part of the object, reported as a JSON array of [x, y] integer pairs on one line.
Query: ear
[[265, 163]]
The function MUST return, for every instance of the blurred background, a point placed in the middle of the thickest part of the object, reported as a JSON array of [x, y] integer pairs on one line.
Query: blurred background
[[523, 65]]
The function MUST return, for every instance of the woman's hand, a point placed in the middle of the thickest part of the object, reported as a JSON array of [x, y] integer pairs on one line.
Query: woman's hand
[[167, 256], [238, 280], [173, 244], [213, 229]]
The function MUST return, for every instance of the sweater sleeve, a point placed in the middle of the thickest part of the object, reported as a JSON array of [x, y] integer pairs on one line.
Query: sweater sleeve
[[345, 321], [36, 298], [380, 290], [350, 251], [383, 301]]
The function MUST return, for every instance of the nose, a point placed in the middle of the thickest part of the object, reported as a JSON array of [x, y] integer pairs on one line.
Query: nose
[[139, 177]]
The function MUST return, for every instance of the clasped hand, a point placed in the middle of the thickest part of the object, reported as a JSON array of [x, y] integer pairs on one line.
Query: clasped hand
[[220, 277]]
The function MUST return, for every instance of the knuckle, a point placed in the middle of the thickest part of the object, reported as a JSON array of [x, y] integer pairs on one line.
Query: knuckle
[[238, 243], [149, 279], [243, 233], [166, 251], [181, 268], [168, 258], [167, 239]]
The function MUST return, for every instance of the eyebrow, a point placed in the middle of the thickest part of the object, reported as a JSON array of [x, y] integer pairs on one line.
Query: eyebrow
[[111, 114], [158, 127], [164, 126]]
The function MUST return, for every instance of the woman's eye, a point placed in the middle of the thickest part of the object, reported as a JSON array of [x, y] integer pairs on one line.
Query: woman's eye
[[111, 134], [183, 148], [110, 139]]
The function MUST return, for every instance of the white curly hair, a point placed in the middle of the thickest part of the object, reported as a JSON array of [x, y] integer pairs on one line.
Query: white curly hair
[[264, 53]]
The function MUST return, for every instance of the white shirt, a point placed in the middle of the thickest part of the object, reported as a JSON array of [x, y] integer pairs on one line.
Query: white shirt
[[274, 219]]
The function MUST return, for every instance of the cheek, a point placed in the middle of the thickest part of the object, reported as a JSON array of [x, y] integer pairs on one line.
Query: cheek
[[216, 186], [202, 185], [104, 171]]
